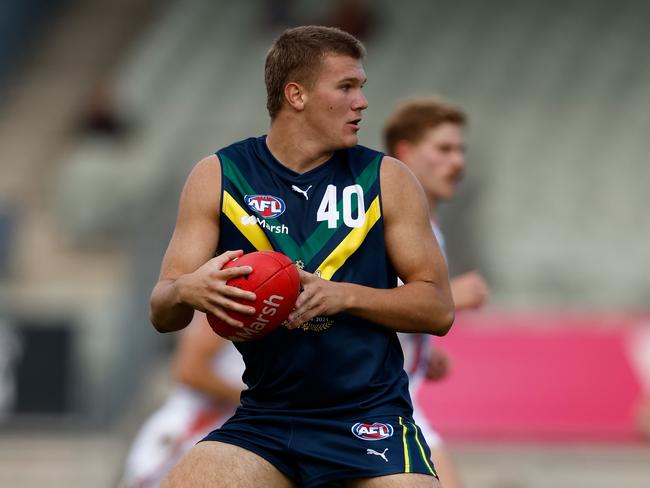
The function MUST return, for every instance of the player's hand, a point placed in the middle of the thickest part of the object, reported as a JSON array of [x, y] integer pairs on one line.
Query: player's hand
[[439, 365], [318, 297], [469, 291], [206, 290]]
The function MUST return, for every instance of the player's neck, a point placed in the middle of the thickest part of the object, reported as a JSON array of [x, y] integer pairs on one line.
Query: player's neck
[[433, 209], [294, 150]]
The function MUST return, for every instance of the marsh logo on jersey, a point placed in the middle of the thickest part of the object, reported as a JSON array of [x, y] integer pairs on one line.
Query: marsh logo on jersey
[[372, 432], [252, 220], [266, 206]]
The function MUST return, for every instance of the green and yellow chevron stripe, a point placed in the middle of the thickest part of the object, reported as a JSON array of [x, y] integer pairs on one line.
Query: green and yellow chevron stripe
[[350, 243], [252, 232]]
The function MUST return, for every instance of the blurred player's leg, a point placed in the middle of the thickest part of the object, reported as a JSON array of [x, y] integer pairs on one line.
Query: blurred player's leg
[[445, 467], [218, 465], [403, 480], [441, 460]]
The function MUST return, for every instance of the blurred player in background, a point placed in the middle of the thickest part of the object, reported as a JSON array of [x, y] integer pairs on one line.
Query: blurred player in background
[[327, 398], [427, 134], [208, 371]]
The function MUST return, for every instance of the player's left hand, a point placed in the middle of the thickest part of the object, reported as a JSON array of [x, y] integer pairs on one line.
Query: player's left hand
[[318, 297]]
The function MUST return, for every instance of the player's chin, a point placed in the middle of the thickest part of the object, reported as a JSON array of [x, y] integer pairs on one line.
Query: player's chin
[[449, 192], [350, 139]]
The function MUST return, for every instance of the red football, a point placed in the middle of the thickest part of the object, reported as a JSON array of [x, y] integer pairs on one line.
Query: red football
[[275, 281]]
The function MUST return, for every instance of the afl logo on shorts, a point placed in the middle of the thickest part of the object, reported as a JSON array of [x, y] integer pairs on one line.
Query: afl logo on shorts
[[266, 206], [372, 432]]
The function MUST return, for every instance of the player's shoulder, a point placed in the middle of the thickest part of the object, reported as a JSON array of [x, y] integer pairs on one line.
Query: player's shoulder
[[203, 183], [393, 170], [206, 167]]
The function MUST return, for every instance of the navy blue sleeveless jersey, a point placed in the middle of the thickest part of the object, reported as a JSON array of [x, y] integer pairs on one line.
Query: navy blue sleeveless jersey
[[329, 221]]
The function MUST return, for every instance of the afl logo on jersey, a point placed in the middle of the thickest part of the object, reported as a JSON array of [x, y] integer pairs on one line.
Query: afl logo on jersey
[[372, 432], [266, 206]]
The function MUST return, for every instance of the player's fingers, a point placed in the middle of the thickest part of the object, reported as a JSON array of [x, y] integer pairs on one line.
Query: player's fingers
[[305, 277], [303, 307], [238, 293], [236, 306], [224, 257], [482, 294], [306, 316], [222, 315], [304, 313], [485, 288], [303, 298], [234, 272], [297, 321]]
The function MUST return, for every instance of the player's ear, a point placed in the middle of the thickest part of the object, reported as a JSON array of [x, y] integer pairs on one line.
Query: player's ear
[[295, 95], [403, 150]]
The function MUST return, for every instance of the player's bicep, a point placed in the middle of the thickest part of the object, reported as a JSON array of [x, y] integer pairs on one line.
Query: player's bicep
[[196, 233], [410, 242]]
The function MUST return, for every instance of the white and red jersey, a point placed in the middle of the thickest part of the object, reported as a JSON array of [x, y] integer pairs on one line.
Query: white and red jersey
[[417, 350], [185, 418]]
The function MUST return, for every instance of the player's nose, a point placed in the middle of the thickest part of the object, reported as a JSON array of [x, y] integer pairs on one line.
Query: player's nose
[[361, 102], [458, 160]]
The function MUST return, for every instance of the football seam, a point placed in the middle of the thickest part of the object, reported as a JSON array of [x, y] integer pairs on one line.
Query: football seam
[[269, 278], [272, 254]]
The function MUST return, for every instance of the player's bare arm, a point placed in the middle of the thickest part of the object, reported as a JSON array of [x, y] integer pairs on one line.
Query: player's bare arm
[[191, 277], [424, 304], [470, 291], [193, 362]]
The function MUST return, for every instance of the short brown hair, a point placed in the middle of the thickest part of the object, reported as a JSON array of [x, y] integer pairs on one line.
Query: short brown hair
[[415, 116], [297, 55]]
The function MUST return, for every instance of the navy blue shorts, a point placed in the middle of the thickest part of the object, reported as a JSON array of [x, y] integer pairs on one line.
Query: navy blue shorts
[[315, 451]]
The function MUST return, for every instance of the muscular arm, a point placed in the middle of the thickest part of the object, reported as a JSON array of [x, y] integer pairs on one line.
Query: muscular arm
[[193, 362], [191, 277], [424, 303]]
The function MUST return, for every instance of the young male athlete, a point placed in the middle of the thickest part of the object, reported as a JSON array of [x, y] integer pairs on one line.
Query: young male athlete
[[327, 398], [427, 134], [207, 370]]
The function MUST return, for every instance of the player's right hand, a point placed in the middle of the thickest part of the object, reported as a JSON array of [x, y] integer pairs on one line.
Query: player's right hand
[[206, 288], [469, 291]]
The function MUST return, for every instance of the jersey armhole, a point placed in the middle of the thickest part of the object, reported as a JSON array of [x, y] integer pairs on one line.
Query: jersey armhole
[[221, 199], [381, 198]]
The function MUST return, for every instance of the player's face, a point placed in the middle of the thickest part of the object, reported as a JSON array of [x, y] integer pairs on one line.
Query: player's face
[[438, 160], [337, 100]]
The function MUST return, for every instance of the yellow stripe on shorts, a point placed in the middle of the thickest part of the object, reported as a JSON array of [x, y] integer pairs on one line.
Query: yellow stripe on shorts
[[407, 455], [424, 457]]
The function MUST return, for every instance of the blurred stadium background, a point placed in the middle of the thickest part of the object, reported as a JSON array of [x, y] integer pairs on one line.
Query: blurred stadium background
[[106, 105]]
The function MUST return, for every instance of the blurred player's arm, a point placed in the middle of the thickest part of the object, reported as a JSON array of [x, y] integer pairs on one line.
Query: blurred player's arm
[[424, 303], [191, 277], [438, 364], [193, 362], [469, 290]]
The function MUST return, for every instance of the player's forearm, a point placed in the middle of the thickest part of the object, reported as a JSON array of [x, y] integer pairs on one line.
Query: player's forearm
[[206, 382], [415, 307], [223, 392], [168, 313]]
